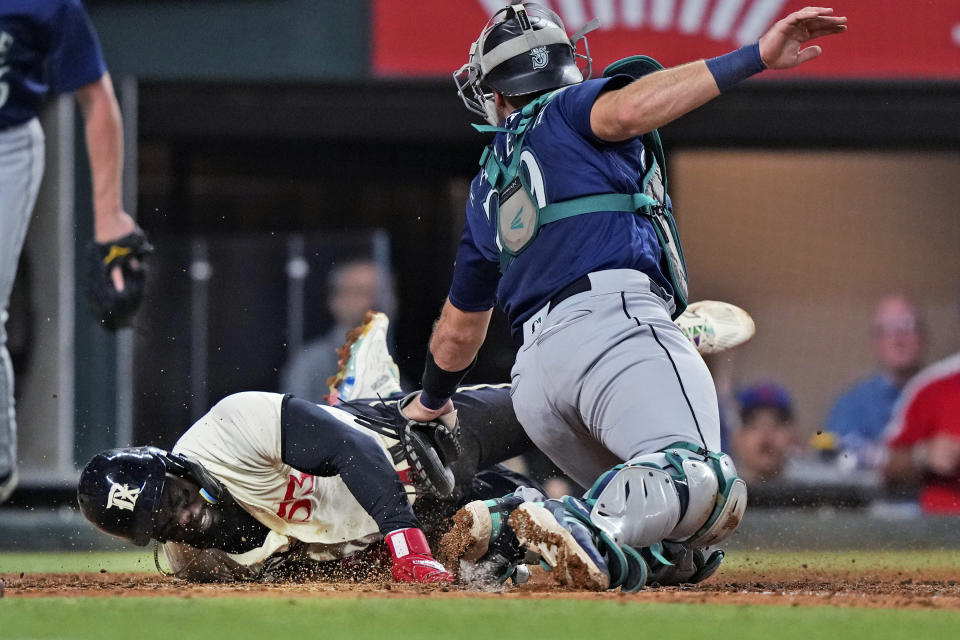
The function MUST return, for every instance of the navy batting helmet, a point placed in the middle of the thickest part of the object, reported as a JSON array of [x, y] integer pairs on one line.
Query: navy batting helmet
[[524, 49], [120, 489]]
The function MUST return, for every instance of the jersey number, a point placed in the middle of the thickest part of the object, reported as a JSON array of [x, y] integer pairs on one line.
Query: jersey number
[[297, 498]]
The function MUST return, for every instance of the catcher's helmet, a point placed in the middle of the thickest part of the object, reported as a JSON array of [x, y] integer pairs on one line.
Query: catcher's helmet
[[524, 49], [120, 489]]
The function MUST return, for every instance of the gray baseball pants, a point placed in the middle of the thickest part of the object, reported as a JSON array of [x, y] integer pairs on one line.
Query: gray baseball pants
[[606, 376], [21, 168]]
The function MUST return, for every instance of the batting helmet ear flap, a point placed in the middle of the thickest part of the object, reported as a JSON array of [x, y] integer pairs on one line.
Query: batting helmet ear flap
[[181, 466]]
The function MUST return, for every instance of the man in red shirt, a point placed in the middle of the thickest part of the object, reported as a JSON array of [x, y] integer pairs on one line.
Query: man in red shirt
[[924, 438]]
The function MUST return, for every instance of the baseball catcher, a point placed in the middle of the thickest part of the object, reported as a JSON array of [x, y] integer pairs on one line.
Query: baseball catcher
[[569, 229]]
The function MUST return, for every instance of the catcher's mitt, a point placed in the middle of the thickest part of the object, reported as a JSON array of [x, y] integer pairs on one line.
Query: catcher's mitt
[[111, 307], [429, 447]]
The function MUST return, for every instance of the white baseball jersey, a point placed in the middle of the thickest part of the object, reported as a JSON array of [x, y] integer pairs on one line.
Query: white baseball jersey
[[239, 442]]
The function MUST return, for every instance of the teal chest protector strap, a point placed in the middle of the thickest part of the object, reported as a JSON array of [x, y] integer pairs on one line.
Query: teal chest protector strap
[[519, 217]]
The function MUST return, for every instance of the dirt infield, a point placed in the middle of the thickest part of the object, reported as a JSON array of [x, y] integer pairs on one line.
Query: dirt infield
[[881, 588]]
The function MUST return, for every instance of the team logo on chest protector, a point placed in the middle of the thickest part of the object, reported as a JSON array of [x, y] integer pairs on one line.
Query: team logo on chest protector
[[519, 204], [540, 57], [517, 217]]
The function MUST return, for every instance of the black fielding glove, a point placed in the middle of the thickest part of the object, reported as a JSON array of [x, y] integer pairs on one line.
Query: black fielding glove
[[111, 308], [430, 448]]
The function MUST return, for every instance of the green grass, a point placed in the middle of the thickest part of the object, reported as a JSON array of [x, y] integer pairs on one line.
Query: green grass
[[451, 619], [146, 619], [852, 561], [77, 562]]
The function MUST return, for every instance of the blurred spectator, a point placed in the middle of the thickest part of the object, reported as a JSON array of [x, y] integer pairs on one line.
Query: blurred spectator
[[924, 438], [354, 287], [765, 436], [779, 469], [860, 415]]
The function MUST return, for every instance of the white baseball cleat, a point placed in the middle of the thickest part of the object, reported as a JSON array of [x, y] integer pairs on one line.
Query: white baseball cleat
[[573, 562], [366, 369], [713, 326]]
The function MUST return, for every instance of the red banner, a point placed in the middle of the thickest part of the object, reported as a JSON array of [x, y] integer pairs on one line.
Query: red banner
[[885, 38]]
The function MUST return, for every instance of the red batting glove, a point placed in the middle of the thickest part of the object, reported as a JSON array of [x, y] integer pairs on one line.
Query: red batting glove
[[412, 559]]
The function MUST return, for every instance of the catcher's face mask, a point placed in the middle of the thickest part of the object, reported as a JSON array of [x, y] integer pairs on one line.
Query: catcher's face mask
[[523, 49]]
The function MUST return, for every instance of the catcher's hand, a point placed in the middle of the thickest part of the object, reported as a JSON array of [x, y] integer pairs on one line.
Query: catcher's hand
[[782, 47], [117, 277], [430, 448]]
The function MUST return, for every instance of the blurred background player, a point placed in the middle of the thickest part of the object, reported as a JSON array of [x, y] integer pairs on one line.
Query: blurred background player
[[353, 288], [603, 376], [49, 48], [861, 414]]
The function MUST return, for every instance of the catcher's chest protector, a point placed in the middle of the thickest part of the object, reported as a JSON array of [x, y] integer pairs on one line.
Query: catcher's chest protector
[[521, 209]]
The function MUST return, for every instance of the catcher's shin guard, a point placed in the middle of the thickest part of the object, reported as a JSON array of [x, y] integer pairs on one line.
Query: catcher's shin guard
[[682, 493]]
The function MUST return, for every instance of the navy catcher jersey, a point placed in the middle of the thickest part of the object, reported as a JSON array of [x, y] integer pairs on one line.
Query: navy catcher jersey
[[44, 45], [565, 160]]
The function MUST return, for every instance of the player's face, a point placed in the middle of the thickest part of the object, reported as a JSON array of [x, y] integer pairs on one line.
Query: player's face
[[184, 516]]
